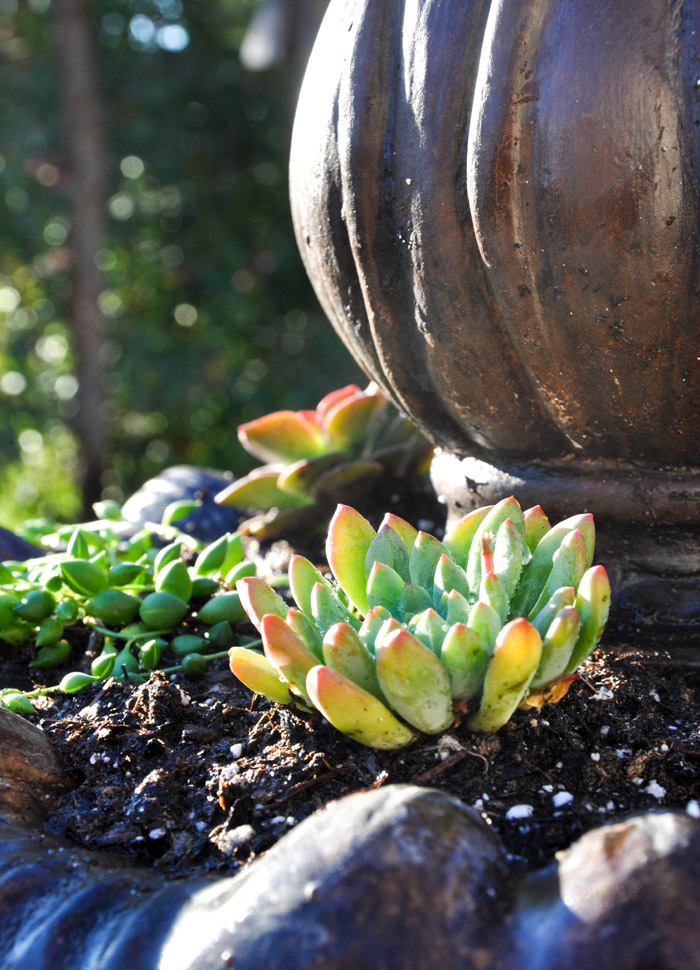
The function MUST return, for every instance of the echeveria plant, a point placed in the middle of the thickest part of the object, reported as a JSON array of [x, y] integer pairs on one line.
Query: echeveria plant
[[414, 629], [317, 458]]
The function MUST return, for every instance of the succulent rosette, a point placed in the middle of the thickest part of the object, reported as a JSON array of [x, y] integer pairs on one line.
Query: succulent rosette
[[314, 459], [412, 629]]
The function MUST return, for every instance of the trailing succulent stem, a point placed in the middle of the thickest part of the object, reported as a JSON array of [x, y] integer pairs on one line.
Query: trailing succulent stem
[[505, 607], [314, 459]]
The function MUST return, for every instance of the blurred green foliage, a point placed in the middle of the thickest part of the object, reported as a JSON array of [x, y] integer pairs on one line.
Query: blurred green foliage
[[210, 320]]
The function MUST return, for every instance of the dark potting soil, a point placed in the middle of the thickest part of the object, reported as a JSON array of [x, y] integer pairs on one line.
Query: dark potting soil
[[199, 775]]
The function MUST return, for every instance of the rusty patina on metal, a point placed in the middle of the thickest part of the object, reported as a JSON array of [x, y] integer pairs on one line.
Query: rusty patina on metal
[[497, 204]]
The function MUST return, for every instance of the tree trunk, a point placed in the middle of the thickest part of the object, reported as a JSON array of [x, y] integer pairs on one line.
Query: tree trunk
[[83, 137]]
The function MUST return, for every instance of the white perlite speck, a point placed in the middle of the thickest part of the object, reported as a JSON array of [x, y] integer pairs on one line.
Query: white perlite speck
[[595, 756], [604, 694], [519, 811], [654, 695], [236, 750], [655, 789], [156, 834], [236, 837], [562, 798], [693, 809]]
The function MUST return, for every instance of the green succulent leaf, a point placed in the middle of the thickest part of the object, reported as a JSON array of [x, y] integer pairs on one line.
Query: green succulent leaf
[[593, 606], [300, 477], [77, 545], [83, 577], [306, 630], [511, 669], [458, 541], [493, 593], [509, 555], [125, 574], [406, 532], [564, 596], [349, 538], [486, 621], [327, 609], [203, 586], [449, 576], [240, 571], [8, 602], [17, 703], [67, 611], [568, 567], [354, 711], [414, 682], [372, 624], [75, 681], [113, 607], [388, 548], [425, 555], [102, 666], [52, 655], [457, 608], [234, 553], [537, 526], [221, 635], [223, 607], [303, 576], [260, 490], [414, 599], [50, 630], [258, 674], [348, 423], [187, 643], [259, 599], [557, 646], [175, 511], [430, 629], [287, 653], [344, 651], [167, 554], [284, 436], [175, 578], [212, 558], [465, 655], [536, 573], [507, 508], [35, 606], [162, 611], [385, 588]]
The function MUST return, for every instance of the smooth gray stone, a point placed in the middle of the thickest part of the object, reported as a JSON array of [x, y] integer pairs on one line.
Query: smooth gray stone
[[207, 522], [623, 897], [392, 879], [401, 878], [15, 549], [30, 774]]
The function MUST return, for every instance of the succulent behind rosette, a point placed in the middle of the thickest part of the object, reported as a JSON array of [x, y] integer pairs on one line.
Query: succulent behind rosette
[[500, 613], [314, 459]]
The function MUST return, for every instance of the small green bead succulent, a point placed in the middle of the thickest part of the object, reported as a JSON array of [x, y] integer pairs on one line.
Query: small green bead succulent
[[316, 458], [413, 629], [136, 605]]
